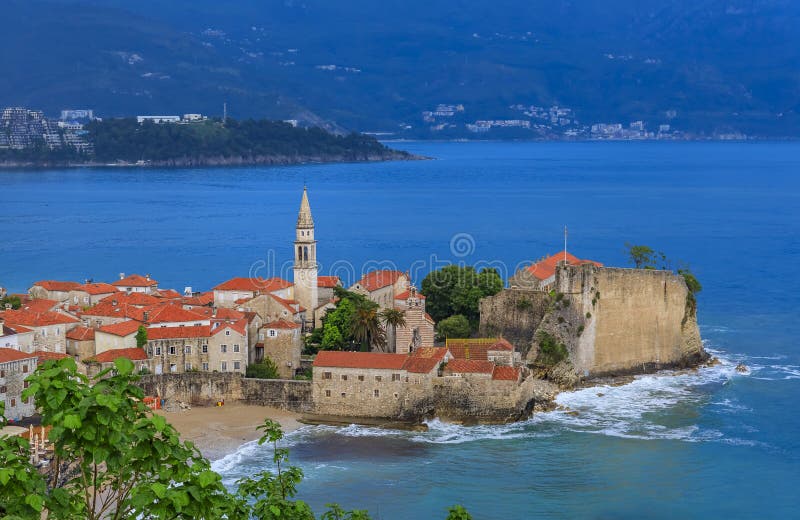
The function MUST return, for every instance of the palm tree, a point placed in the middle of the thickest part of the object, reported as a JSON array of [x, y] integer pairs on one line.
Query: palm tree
[[393, 318], [366, 328]]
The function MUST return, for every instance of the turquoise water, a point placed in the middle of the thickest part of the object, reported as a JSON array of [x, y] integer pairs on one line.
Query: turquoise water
[[710, 444]]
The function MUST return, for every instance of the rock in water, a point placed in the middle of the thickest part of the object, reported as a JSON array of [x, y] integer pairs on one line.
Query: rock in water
[[742, 368]]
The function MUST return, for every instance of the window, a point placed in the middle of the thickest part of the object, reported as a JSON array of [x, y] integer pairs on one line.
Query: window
[[223, 348], [13, 402], [224, 366], [378, 379], [344, 377], [273, 333], [327, 375], [327, 393], [395, 377], [344, 394], [158, 351], [172, 350], [85, 299], [237, 365], [236, 348], [376, 393], [75, 299], [205, 349], [260, 335], [173, 367], [3, 389], [188, 367], [227, 332], [361, 378], [187, 349], [2, 373], [205, 367], [24, 369], [25, 384]]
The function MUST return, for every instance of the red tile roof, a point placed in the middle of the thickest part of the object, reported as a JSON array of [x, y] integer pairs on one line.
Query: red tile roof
[[47, 356], [35, 319], [424, 359], [135, 280], [109, 310], [474, 352], [378, 279], [124, 328], [39, 305], [328, 282], [109, 356], [197, 331], [503, 373], [81, 334], [136, 298], [469, 366], [405, 295], [220, 313], [281, 324], [171, 312], [237, 326], [288, 304], [55, 285], [253, 284], [502, 344], [545, 268], [335, 359], [10, 354], [170, 294], [96, 288], [202, 299]]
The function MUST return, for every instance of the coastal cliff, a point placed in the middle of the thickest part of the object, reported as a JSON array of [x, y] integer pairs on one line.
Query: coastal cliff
[[609, 322]]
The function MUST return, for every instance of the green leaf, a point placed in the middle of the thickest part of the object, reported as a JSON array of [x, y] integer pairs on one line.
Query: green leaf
[[124, 366], [72, 422], [35, 501], [159, 489], [207, 478]]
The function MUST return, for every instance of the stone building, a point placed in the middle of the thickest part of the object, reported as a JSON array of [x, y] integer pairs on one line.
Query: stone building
[[305, 259], [90, 294], [116, 337], [271, 307], [136, 284], [111, 311], [52, 290], [179, 349], [15, 367], [49, 328], [80, 343], [541, 275], [497, 350], [228, 293], [382, 286], [228, 347], [280, 341], [418, 330], [96, 364]]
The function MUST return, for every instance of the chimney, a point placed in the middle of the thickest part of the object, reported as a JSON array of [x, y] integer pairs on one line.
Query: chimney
[[121, 276], [147, 277]]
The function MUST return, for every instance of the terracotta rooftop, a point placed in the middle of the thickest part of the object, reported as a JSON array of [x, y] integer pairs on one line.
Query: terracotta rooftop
[[220, 313], [135, 280], [288, 304], [81, 334], [254, 284], [424, 359], [469, 366], [281, 324], [328, 282], [134, 354], [171, 313], [503, 373], [138, 299], [107, 309], [35, 319], [378, 279], [169, 294], [39, 305], [545, 268], [238, 326], [405, 295], [43, 356], [10, 354], [96, 288], [124, 328], [55, 285], [335, 359], [202, 299], [197, 331]]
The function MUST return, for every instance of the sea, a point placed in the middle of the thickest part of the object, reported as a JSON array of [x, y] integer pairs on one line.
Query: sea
[[711, 443]]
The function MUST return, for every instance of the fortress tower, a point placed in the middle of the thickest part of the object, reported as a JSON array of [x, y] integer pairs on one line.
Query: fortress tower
[[305, 259]]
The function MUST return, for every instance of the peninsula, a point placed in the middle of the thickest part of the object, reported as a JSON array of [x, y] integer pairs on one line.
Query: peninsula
[[29, 139]]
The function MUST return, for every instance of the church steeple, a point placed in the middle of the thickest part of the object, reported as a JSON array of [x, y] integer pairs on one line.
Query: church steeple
[[304, 218]]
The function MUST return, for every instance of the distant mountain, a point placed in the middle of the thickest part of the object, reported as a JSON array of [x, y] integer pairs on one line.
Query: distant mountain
[[701, 66]]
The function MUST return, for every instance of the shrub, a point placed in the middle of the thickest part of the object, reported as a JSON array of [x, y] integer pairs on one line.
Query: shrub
[[551, 351], [267, 369]]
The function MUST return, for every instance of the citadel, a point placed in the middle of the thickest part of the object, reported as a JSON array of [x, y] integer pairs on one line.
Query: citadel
[[196, 347]]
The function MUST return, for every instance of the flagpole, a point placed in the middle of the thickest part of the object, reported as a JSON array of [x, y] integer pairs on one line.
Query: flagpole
[[565, 244]]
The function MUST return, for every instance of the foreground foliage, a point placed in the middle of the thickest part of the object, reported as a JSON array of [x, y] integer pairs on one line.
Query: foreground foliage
[[114, 459]]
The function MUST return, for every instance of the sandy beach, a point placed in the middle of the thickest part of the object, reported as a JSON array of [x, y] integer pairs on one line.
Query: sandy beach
[[218, 431]]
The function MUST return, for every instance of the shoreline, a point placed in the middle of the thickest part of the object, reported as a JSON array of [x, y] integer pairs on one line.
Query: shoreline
[[220, 431]]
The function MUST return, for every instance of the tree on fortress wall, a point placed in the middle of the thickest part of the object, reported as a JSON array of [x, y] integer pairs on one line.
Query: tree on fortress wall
[[114, 459], [644, 257], [458, 289]]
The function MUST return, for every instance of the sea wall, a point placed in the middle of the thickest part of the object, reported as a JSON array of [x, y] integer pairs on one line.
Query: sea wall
[[202, 388], [515, 314]]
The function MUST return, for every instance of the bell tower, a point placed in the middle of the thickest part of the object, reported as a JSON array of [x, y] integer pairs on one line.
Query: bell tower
[[305, 259]]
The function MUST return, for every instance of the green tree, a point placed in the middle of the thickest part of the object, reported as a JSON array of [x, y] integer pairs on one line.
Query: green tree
[[453, 327], [458, 513], [14, 301], [458, 290], [693, 284], [644, 257], [22, 487], [332, 338], [114, 459], [393, 318], [141, 336], [366, 328], [265, 369]]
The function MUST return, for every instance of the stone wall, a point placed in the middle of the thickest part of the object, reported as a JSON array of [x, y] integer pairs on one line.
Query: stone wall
[[514, 314], [199, 388]]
